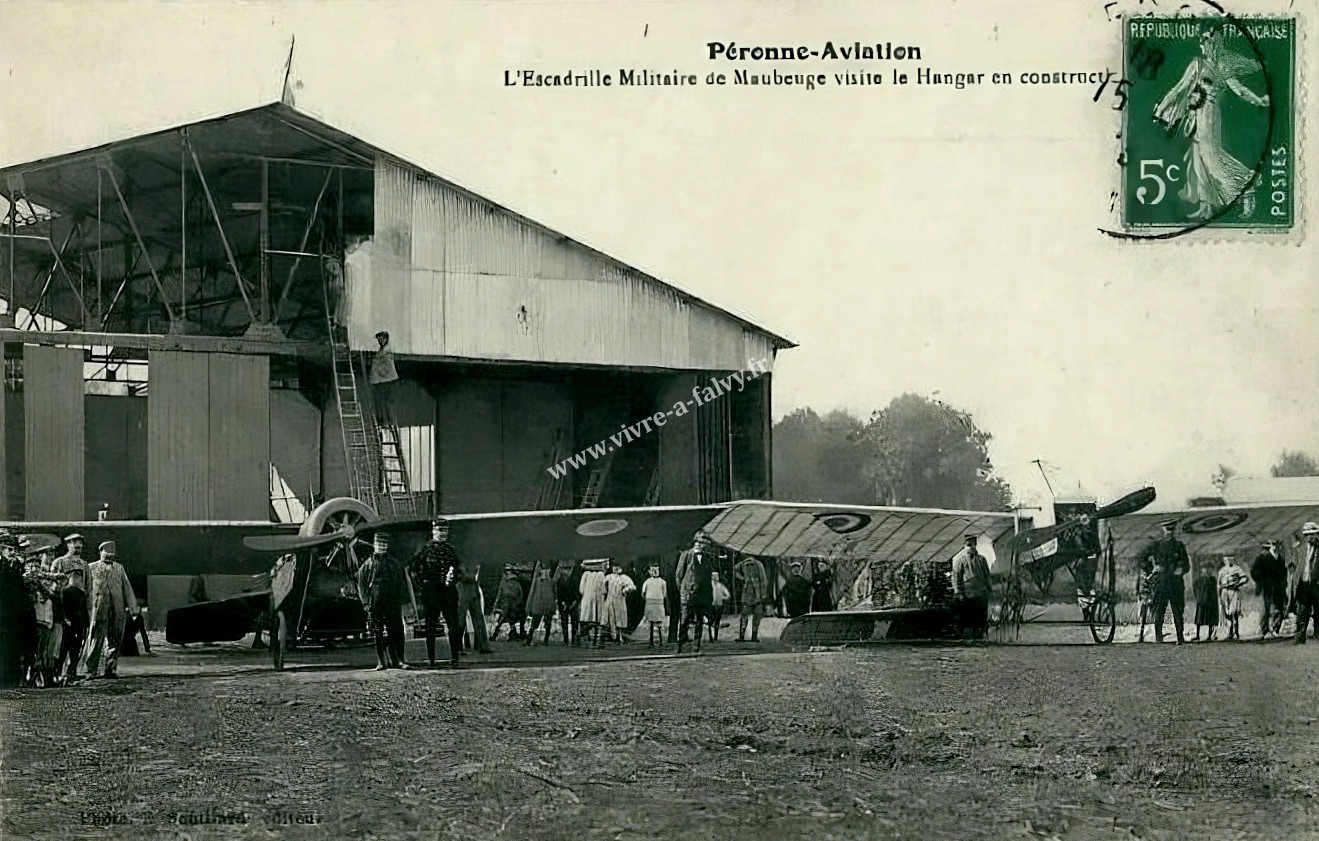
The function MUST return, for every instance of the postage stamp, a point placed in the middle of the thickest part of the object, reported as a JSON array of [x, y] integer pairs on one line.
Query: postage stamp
[[1209, 139]]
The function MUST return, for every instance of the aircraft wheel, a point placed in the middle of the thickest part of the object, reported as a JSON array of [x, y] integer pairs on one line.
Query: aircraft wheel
[[335, 514], [279, 632], [1103, 620]]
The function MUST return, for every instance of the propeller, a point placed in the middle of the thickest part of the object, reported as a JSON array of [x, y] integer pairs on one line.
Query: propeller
[[1129, 504], [282, 543]]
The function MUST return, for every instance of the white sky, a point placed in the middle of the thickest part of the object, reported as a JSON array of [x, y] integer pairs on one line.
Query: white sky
[[909, 238]]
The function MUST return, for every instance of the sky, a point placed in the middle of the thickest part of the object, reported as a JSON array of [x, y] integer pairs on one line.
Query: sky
[[910, 238]]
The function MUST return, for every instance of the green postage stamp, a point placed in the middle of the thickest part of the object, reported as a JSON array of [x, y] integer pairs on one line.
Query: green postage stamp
[[1210, 130]]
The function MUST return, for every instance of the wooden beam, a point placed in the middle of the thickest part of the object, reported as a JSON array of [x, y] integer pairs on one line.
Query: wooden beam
[[316, 351]]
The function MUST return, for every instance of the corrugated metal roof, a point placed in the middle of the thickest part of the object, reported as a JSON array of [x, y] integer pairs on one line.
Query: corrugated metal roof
[[282, 130]]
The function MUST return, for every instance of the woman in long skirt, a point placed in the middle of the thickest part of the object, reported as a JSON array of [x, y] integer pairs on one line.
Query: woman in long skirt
[[617, 588], [1206, 603], [1231, 578], [592, 610]]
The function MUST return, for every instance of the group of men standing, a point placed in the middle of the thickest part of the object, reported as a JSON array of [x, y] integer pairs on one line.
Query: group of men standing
[[445, 590], [63, 619], [1165, 563]]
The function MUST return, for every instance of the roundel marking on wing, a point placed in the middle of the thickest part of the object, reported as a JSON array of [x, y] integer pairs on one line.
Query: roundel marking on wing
[[844, 522], [1214, 522], [600, 528]]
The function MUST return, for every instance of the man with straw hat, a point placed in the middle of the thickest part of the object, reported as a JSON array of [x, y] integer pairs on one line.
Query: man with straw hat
[[1305, 583]]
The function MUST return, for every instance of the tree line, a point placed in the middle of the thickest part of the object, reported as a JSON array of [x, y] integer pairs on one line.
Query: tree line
[[915, 452]]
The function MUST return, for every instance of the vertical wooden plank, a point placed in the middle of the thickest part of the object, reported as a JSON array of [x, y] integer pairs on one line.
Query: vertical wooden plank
[[5, 513], [54, 432], [178, 436], [239, 445]]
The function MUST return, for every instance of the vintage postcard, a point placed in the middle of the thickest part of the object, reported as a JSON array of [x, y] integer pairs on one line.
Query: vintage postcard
[[540, 419]]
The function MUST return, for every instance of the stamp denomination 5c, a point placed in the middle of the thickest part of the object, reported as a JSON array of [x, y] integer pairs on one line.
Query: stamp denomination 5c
[[1210, 134]]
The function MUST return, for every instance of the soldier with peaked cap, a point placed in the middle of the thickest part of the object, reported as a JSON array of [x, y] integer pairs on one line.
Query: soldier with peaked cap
[[382, 586], [435, 568], [1170, 564], [110, 603], [1305, 583], [73, 594]]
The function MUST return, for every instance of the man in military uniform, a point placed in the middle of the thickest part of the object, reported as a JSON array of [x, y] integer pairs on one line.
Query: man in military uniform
[[435, 568], [73, 595], [382, 586], [1170, 563]]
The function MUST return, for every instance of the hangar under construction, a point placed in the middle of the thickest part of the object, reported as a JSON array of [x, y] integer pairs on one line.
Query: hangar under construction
[[196, 316]]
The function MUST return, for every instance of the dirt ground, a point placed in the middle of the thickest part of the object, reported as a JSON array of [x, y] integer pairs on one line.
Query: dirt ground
[[891, 741]]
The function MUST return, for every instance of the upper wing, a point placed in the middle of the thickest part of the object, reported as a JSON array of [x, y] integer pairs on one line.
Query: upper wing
[[1213, 532], [784, 529]]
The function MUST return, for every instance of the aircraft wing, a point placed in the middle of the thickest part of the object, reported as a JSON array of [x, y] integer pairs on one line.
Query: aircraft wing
[[808, 530], [1214, 531]]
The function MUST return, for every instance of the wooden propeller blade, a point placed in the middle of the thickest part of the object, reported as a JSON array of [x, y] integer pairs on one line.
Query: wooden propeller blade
[[289, 542]]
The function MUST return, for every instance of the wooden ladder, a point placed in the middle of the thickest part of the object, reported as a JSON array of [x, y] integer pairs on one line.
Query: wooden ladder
[[596, 483], [377, 474]]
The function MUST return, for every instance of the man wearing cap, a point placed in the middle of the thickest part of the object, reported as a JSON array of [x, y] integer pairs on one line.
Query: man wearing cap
[[384, 376], [972, 588], [109, 605], [1305, 583], [1269, 572], [1170, 564], [382, 586], [434, 567], [73, 595], [695, 587], [796, 592]]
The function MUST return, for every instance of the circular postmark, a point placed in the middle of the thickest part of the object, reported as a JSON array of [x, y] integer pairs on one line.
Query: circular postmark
[[1215, 58]]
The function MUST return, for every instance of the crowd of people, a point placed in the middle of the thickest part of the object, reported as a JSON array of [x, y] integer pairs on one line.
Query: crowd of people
[[596, 602], [65, 619], [1219, 588]]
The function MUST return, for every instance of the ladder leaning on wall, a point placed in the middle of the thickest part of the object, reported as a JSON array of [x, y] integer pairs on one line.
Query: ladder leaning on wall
[[377, 474]]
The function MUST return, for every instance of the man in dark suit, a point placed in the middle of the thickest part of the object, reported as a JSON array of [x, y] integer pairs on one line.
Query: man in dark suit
[[1171, 563], [1269, 572]]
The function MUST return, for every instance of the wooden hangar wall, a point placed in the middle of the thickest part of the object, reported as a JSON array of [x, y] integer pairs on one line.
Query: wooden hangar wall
[[196, 447]]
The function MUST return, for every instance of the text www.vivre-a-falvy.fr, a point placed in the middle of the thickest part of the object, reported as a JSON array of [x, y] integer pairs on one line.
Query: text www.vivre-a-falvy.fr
[[701, 394]]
